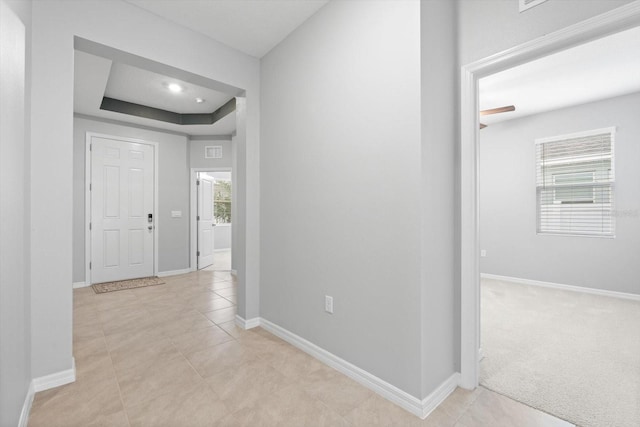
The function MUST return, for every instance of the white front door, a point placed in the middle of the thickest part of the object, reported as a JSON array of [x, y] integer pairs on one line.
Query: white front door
[[122, 210], [205, 220]]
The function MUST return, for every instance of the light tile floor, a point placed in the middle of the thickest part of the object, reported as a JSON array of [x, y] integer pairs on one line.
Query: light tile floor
[[171, 355]]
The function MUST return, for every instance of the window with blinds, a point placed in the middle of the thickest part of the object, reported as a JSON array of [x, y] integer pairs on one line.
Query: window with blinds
[[574, 184]]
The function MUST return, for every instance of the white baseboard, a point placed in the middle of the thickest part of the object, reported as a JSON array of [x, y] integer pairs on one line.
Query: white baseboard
[[55, 380], [431, 402], [174, 272], [222, 250], [571, 288], [26, 407], [77, 285], [247, 324], [420, 408]]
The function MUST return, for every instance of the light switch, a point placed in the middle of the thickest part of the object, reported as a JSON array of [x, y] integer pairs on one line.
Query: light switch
[[176, 214]]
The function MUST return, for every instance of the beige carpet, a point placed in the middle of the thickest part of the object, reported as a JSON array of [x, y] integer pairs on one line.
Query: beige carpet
[[100, 288], [573, 355]]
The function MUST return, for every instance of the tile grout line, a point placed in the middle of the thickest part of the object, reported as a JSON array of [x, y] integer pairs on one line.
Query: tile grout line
[[124, 408], [115, 376], [466, 409]]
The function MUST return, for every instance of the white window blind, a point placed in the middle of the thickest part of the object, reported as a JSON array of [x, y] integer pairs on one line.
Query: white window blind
[[574, 184]]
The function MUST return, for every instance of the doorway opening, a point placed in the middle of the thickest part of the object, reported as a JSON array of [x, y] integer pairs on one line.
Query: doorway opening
[[213, 219], [127, 96], [473, 212]]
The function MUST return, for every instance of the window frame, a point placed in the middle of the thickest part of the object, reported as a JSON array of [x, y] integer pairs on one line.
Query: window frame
[[611, 183]]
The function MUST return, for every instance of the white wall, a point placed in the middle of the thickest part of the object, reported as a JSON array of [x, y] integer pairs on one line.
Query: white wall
[[486, 27], [340, 115], [173, 192], [508, 201], [222, 236], [15, 369], [121, 26]]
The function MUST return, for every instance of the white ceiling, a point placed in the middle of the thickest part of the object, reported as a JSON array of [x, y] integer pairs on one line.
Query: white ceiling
[[132, 84], [96, 77], [597, 70], [251, 26]]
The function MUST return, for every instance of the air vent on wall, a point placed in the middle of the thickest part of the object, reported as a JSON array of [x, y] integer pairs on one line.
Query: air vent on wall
[[213, 152], [528, 4]]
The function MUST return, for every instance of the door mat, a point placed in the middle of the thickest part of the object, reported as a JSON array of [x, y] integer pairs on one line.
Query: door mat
[[100, 288]]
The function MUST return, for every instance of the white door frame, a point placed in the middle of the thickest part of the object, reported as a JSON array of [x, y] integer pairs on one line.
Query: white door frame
[[617, 20], [193, 196], [87, 198]]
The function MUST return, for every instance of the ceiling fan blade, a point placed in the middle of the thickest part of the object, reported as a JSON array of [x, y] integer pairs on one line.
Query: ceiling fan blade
[[482, 126], [497, 110]]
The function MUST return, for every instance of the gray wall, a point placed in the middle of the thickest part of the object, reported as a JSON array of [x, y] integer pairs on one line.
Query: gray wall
[[173, 192], [15, 370], [440, 342], [336, 119], [508, 201], [235, 247], [196, 154], [340, 115]]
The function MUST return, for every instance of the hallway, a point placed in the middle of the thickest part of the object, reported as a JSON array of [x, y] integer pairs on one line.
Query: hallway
[[171, 355]]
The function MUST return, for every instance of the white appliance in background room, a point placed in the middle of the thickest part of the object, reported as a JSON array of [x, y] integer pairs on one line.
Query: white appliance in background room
[[205, 220]]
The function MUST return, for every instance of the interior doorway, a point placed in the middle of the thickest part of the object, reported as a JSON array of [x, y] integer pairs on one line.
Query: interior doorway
[[205, 220], [471, 231], [608, 23], [212, 191], [554, 146]]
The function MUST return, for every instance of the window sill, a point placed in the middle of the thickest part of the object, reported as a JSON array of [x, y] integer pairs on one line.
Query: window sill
[[597, 236]]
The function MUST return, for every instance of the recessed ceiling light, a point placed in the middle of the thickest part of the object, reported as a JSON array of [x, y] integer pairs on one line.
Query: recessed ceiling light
[[174, 87], [199, 100]]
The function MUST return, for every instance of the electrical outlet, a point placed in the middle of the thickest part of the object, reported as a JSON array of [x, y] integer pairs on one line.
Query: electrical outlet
[[483, 252], [328, 304]]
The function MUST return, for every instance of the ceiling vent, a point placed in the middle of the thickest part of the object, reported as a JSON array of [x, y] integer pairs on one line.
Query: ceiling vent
[[213, 152], [528, 4]]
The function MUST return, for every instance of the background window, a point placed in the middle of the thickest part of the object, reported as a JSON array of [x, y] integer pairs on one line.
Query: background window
[[574, 184], [569, 188], [222, 201]]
